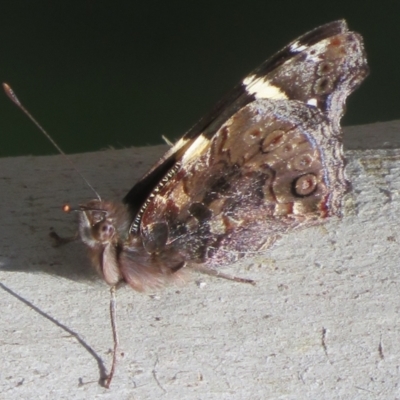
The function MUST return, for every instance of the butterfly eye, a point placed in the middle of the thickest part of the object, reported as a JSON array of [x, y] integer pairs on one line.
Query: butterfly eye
[[103, 231]]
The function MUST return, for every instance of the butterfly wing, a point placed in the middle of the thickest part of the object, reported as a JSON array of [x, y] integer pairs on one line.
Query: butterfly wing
[[314, 68], [272, 167], [270, 162]]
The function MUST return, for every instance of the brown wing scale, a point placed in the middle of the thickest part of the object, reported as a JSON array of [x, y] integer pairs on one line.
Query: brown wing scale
[[274, 166]]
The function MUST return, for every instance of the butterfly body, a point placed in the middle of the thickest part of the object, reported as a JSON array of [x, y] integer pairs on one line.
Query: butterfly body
[[266, 160]]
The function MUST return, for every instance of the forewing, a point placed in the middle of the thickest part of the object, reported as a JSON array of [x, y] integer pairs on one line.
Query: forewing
[[318, 68]]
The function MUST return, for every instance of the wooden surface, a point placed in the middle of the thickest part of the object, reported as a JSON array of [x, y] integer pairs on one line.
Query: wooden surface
[[322, 323]]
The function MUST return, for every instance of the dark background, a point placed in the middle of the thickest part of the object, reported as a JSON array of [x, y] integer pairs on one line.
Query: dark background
[[100, 74]]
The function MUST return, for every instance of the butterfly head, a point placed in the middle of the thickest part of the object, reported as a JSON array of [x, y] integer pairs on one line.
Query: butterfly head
[[103, 226], [101, 222]]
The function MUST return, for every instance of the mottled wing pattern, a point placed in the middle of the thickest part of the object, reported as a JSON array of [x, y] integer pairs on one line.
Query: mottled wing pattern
[[272, 167], [321, 75], [321, 68], [266, 160]]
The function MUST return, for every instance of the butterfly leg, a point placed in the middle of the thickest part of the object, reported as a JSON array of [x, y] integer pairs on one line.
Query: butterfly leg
[[59, 241], [113, 317], [213, 272]]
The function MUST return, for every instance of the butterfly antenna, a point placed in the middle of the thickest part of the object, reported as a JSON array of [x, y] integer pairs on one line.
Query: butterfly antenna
[[10, 93]]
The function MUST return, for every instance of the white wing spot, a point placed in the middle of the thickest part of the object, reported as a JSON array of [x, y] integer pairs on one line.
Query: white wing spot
[[262, 88], [180, 143], [312, 102], [296, 47], [196, 148]]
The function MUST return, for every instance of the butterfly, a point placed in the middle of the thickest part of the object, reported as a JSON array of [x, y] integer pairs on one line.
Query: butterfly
[[268, 159], [265, 161]]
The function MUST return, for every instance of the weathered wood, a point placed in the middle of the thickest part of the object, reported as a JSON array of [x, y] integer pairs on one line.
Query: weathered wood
[[322, 323]]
